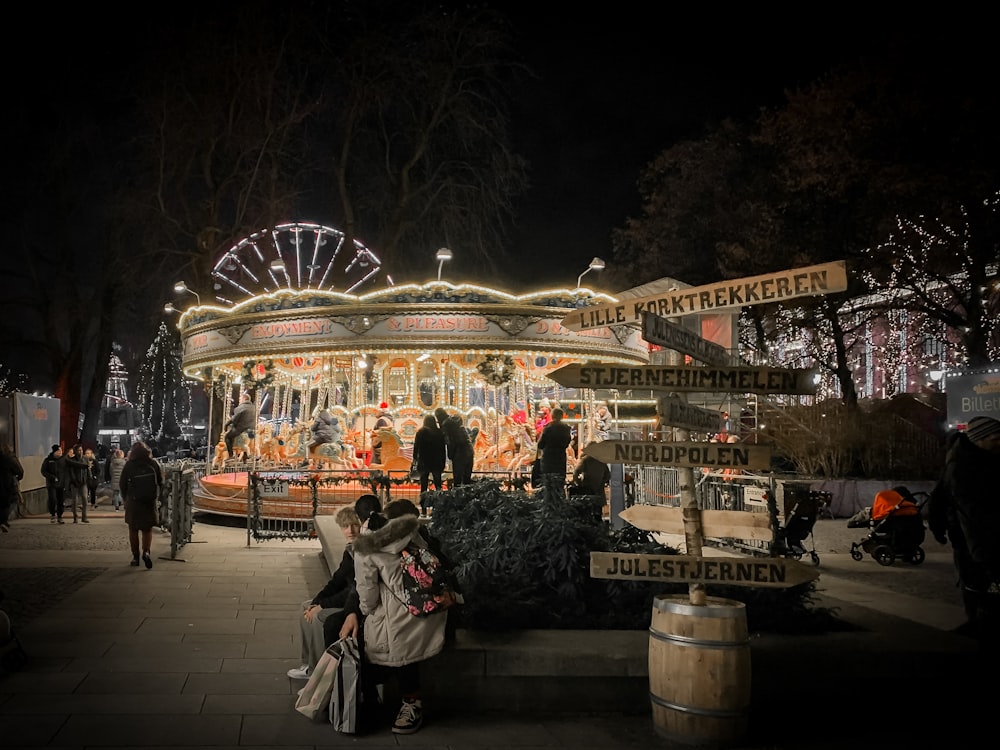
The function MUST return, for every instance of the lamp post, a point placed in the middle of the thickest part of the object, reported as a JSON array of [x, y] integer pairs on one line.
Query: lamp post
[[596, 264], [442, 255], [180, 286]]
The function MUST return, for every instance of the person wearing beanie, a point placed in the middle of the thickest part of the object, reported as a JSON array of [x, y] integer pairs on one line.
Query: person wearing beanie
[[964, 508]]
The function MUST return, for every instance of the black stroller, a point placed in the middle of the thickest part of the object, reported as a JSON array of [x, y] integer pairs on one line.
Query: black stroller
[[802, 507], [12, 654], [897, 528]]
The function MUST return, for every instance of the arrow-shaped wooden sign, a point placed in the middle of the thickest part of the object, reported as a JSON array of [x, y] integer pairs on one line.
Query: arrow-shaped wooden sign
[[677, 412], [755, 290], [719, 524], [692, 455], [662, 332], [681, 379], [767, 572]]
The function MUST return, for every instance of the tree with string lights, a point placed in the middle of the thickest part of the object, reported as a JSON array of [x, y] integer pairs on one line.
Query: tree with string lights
[[12, 381], [164, 396]]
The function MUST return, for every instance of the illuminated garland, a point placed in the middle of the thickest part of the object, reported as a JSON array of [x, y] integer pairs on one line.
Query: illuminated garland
[[258, 372], [496, 369]]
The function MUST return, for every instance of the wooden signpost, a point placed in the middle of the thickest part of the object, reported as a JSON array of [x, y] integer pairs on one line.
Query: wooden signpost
[[662, 332], [721, 524], [677, 412], [685, 379], [755, 290], [767, 572], [693, 455]]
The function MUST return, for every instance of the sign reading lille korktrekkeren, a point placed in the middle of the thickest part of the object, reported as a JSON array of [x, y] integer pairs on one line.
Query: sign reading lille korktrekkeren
[[755, 290]]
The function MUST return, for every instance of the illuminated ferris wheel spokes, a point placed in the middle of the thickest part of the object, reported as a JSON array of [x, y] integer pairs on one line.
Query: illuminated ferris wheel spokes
[[293, 256]]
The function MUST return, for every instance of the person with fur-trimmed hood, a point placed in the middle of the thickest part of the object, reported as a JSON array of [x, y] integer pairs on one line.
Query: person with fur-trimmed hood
[[392, 636], [965, 508]]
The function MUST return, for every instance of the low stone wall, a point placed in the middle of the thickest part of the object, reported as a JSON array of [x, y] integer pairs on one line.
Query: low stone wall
[[531, 671]]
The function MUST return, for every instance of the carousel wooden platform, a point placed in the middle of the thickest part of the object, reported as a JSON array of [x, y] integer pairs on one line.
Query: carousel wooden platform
[[227, 494]]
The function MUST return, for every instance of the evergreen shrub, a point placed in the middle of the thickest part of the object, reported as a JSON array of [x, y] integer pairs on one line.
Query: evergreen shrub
[[523, 561]]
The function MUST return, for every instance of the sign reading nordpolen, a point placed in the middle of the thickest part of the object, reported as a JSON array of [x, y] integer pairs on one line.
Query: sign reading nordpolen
[[708, 455], [755, 290]]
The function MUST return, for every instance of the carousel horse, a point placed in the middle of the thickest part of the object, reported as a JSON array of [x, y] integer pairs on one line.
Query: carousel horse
[[525, 456], [220, 457], [393, 458]]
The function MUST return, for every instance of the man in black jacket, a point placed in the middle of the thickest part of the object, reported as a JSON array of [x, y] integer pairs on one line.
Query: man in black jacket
[[54, 471], [552, 446]]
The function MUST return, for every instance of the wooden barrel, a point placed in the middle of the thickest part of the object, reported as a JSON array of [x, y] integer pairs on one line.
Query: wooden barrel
[[699, 671]]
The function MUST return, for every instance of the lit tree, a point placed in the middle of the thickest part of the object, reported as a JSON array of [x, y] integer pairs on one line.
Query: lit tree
[[164, 398], [947, 272], [12, 381]]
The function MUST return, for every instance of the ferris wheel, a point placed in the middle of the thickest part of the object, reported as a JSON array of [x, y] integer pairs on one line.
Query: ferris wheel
[[293, 256]]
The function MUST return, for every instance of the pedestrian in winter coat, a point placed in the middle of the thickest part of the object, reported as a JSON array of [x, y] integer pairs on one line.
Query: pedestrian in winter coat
[[115, 466], [11, 472], [54, 471], [393, 637], [964, 508], [429, 456], [93, 476], [140, 484], [76, 470]]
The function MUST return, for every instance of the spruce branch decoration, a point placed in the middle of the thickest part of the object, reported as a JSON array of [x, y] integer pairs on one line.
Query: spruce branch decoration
[[496, 369]]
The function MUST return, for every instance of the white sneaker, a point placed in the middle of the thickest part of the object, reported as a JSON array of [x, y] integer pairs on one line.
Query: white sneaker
[[300, 673]]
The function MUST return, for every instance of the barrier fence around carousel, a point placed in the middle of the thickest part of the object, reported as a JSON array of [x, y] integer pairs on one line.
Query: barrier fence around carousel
[[176, 503]]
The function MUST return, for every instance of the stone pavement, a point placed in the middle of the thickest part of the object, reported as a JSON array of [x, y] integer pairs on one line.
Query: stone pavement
[[193, 653]]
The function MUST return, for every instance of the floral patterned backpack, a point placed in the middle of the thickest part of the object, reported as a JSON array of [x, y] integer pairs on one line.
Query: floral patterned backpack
[[427, 587]]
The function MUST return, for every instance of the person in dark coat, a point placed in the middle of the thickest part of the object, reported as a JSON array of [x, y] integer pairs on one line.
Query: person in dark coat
[[140, 484], [591, 476], [460, 449], [552, 446], [244, 419], [11, 473], [429, 456], [964, 507], [54, 471], [76, 471]]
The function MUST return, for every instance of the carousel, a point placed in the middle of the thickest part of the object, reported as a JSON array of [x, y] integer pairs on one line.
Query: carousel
[[293, 326]]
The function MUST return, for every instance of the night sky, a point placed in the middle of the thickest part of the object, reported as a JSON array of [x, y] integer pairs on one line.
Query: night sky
[[611, 92]]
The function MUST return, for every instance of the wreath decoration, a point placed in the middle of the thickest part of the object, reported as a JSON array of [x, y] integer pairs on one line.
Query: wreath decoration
[[258, 372], [496, 369]]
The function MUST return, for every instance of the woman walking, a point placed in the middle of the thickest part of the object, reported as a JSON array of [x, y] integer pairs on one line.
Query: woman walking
[[140, 484]]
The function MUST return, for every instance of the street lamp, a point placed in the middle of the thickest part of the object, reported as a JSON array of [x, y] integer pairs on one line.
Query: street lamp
[[168, 308], [180, 286], [442, 255], [596, 264]]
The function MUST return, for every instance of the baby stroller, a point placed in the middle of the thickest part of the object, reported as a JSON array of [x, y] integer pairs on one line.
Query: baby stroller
[[12, 654], [801, 509], [896, 528]]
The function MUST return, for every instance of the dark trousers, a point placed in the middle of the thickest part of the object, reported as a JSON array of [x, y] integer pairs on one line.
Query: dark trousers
[[57, 501]]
